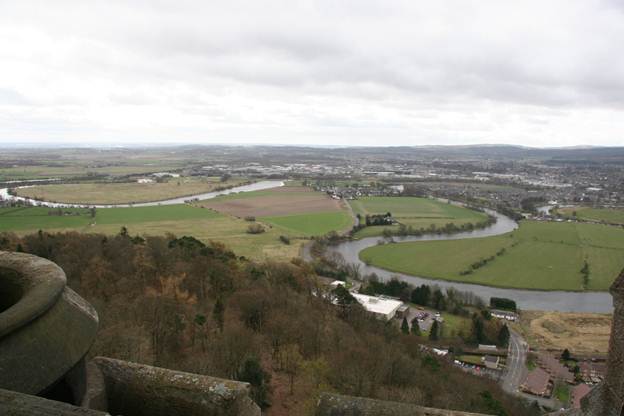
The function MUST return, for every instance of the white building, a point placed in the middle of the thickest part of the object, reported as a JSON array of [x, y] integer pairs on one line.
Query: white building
[[382, 308]]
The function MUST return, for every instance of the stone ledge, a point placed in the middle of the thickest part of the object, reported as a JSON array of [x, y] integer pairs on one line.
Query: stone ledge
[[137, 389], [338, 405], [18, 404]]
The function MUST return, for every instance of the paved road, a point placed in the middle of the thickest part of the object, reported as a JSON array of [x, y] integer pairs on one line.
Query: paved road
[[516, 370]]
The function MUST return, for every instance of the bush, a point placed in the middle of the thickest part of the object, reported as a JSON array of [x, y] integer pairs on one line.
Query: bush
[[255, 229], [250, 218], [284, 239]]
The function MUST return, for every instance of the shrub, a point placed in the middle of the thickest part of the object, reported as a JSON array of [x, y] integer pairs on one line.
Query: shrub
[[250, 218], [255, 229], [284, 239]]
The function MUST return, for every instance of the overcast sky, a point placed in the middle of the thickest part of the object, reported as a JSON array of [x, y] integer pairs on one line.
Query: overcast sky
[[537, 73]]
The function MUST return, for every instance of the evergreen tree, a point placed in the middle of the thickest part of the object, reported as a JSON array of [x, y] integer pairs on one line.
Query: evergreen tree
[[253, 373], [434, 334], [415, 327], [565, 355], [405, 326], [503, 336], [478, 330], [421, 295]]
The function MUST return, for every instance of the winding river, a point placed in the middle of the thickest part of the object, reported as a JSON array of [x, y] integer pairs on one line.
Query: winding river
[[256, 186], [526, 299]]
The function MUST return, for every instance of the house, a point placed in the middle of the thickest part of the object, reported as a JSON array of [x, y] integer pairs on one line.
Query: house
[[509, 316], [592, 372], [554, 368], [485, 347], [145, 180], [491, 361], [381, 307], [537, 383], [577, 393]]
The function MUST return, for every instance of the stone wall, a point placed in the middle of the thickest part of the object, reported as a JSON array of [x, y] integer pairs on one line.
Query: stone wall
[[338, 405]]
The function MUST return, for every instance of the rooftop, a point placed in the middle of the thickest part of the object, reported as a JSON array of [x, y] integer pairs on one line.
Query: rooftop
[[536, 381], [376, 304]]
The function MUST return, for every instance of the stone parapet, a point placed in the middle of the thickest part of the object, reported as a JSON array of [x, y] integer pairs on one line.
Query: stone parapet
[[141, 390], [338, 405], [46, 329]]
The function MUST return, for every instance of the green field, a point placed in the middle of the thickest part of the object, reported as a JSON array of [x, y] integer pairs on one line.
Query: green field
[[311, 224], [182, 219], [609, 215], [539, 255], [124, 192], [412, 211]]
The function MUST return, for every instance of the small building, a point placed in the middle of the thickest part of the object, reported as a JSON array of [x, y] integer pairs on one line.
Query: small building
[[577, 393], [553, 367], [537, 383], [592, 372], [402, 311], [381, 307], [491, 361], [507, 315], [485, 347], [145, 180]]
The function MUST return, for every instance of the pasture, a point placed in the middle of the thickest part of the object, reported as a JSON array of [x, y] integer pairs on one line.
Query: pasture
[[125, 192], [179, 220], [412, 211], [608, 215], [291, 211], [539, 255]]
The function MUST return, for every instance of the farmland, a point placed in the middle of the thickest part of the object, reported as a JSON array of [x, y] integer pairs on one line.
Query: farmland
[[127, 192], [412, 211], [608, 215], [539, 255], [201, 220], [180, 220], [293, 210]]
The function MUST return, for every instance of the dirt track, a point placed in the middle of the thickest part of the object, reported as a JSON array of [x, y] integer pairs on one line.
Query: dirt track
[[281, 201]]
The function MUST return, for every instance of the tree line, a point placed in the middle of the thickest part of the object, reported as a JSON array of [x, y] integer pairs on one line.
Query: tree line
[[193, 306]]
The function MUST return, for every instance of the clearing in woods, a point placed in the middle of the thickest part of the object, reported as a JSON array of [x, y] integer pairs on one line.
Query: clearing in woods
[[412, 211]]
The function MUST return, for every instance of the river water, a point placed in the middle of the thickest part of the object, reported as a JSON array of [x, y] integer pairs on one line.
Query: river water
[[526, 299], [256, 186]]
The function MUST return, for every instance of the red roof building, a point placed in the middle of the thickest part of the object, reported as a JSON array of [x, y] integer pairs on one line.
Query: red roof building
[[553, 367], [538, 383]]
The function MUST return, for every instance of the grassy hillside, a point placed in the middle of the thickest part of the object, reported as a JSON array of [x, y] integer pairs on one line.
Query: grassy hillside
[[539, 255], [412, 211]]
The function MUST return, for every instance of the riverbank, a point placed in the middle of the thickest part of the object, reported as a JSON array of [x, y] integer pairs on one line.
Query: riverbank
[[556, 300], [256, 186]]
